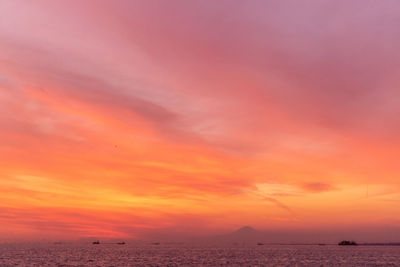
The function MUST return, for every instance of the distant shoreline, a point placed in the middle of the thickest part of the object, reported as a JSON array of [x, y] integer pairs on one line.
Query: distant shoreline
[[380, 244], [331, 244]]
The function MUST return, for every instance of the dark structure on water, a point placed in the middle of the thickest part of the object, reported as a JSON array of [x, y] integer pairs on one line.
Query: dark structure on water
[[98, 243], [347, 243]]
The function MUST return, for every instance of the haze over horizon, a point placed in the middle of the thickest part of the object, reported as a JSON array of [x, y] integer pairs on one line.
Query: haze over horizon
[[130, 119]]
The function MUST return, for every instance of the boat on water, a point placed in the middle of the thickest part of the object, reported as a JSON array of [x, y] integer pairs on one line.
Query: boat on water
[[96, 243], [121, 243], [260, 244], [347, 243]]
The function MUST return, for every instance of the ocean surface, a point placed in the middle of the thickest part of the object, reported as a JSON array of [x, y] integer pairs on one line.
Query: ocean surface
[[73, 254]]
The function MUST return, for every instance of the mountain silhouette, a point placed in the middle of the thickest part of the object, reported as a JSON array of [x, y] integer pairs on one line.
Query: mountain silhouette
[[244, 235], [245, 230]]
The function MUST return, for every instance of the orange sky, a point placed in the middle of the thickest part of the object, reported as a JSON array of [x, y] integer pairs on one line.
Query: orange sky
[[120, 118]]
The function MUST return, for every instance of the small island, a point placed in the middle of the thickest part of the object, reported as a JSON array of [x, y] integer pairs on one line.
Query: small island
[[347, 243]]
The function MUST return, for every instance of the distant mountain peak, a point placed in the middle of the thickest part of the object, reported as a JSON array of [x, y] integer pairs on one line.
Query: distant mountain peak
[[246, 229]]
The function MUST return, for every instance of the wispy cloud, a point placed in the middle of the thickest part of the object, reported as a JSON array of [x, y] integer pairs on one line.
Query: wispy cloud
[[278, 203], [317, 187], [200, 110]]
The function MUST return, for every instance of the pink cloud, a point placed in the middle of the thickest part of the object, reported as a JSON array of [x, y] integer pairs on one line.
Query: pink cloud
[[195, 102]]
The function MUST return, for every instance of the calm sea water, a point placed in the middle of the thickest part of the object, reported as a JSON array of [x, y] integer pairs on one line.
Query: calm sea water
[[181, 255]]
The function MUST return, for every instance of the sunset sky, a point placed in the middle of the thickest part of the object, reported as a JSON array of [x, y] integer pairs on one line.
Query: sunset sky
[[124, 118]]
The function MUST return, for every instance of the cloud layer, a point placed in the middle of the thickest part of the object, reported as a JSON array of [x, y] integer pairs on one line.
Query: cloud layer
[[122, 117]]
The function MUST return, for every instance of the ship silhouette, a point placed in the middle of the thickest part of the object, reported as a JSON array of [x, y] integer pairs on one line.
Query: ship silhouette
[[347, 243]]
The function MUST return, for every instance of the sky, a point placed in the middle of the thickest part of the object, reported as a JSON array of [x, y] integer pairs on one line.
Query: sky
[[125, 118]]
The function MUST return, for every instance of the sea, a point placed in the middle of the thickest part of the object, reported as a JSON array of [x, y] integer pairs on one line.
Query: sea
[[87, 254]]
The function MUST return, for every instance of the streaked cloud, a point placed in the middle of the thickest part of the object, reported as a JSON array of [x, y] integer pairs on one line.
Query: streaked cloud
[[122, 118]]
